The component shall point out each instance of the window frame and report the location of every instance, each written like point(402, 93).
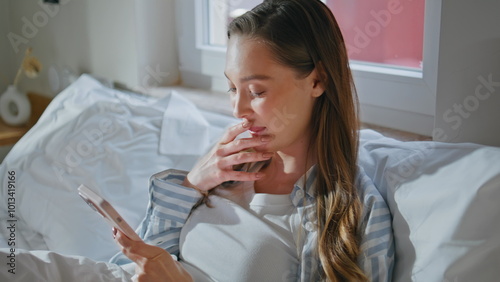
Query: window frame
point(399, 98)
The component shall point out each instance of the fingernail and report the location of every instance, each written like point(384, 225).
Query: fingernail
point(265, 138)
point(245, 124)
point(114, 232)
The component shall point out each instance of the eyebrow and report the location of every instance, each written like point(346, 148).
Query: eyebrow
point(252, 77)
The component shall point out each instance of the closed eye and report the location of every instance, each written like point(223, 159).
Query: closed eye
point(232, 90)
point(257, 94)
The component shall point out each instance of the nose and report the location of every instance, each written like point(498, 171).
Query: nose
point(241, 105)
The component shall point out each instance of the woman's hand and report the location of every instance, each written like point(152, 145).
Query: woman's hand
point(217, 166)
point(153, 263)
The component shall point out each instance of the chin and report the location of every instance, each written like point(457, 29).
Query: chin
point(264, 148)
point(261, 148)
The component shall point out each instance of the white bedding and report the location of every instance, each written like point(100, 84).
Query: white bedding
point(46, 266)
point(108, 140)
point(443, 197)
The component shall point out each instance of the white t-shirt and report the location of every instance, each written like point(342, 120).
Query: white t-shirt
point(256, 241)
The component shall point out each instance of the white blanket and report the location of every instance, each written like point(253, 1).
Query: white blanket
point(109, 140)
point(46, 266)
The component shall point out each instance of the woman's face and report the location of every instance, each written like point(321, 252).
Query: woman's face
point(270, 95)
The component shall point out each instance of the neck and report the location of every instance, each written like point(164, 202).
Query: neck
point(291, 164)
point(285, 168)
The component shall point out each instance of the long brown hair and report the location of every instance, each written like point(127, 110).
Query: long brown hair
point(304, 35)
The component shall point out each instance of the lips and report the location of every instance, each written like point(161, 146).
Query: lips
point(256, 130)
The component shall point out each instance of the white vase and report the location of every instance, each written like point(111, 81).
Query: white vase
point(15, 107)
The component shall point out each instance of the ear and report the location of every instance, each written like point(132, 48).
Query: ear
point(318, 77)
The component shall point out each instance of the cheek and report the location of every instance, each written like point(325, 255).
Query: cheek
point(291, 125)
point(261, 108)
point(232, 101)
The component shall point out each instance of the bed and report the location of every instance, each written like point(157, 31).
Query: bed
point(444, 198)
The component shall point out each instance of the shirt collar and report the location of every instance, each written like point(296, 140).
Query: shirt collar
point(306, 184)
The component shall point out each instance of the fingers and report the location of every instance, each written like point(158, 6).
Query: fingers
point(137, 251)
point(242, 176)
point(244, 157)
point(242, 144)
point(234, 131)
point(153, 263)
point(154, 271)
point(217, 166)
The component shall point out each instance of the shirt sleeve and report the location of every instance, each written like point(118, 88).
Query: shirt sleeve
point(169, 206)
point(377, 243)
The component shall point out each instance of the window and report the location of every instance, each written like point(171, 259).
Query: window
point(393, 46)
point(380, 31)
point(376, 31)
point(220, 13)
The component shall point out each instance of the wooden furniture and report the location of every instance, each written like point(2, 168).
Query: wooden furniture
point(9, 135)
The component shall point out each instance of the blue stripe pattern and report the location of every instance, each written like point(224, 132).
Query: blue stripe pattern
point(170, 205)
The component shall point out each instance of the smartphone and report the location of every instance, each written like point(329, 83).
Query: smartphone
point(106, 210)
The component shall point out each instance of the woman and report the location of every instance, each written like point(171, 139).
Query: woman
point(290, 83)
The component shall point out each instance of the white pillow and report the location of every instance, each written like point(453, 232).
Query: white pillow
point(104, 138)
point(444, 199)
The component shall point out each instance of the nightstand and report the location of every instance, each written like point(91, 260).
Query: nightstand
point(9, 135)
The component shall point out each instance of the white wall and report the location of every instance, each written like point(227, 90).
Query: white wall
point(5, 53)
point(106, 38)
point(156, 40)
point(112, 39)
point(467, 105)
point(190, 58)
point(84, 36)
